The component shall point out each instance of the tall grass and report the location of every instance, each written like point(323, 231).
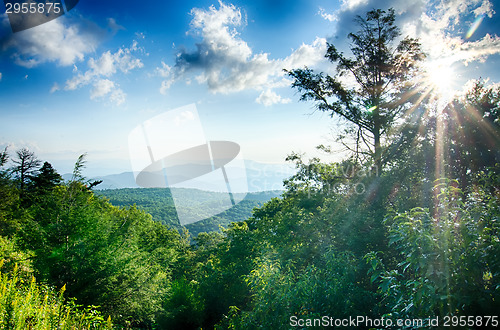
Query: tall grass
point(26, 304)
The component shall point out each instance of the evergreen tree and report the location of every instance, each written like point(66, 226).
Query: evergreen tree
point(382, 74)
point(47, 177)
point(25, 166)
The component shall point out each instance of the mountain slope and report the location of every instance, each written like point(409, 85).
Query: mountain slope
point(159, 203)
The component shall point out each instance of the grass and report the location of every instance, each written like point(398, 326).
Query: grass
point(26, 304)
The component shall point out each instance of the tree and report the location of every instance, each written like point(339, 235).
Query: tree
point(8, 197)
point(78, 175)
point(382, 76)
point(448, 259)
point(47, 178)
point(473, 139)
point(26, 164)
point(37, 191)
point(4, 157)
point(4, 174)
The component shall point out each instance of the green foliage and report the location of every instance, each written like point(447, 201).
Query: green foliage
point(184, 306)
point(476, 116)
point(12, 257)
point(9, 204)
point(213, 274)
point(47, 178)
point(29, 305)
point(281, 292)
point(446, 263)
point(116, 258)
point(4, 157)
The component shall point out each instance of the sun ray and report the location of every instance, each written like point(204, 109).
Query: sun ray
point(440, 78)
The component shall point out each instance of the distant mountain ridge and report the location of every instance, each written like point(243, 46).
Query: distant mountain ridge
point(260, 177)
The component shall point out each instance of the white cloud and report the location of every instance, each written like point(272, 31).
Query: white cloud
point(101, 88)
point(165, 85)
point(104, 87)
point(184, 117)
point(329, 17)
point(352, 4)
point(268, 98)
point(226, 63)
point(306, 55)
point(114, 26)
point(486, 8)
point(55, 41)
point(440, 36)
point(102, 68)
point(441, 26)
point(117, 96)
point(54, 88)
point(164, 71)
point(13, 146)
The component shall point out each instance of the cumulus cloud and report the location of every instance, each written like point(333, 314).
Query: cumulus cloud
point(442, 35)
point(441, 26)
point(226, 63)
point(478, 50)
point(268, 98)
point(164, 71)
point(54, 88)
point(332, 17)
point(105, 87)
point(101, 69)
point(58, 41)
point(101, 88)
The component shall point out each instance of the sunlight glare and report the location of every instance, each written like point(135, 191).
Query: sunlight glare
point(441, 77)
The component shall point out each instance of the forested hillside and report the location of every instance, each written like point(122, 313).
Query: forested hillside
point(402, 233)
point(159, 203)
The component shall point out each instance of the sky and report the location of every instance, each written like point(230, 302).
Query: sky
point(81, 83)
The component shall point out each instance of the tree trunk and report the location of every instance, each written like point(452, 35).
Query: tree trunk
point(378, 153)
point(377, 157)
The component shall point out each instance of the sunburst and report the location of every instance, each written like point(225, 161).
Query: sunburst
point(441, 78)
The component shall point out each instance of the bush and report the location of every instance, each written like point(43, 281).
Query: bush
point(29, 305)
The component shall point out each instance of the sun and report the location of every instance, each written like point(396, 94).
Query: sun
point(441, 78)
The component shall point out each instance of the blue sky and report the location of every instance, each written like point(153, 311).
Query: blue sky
point(83, 81)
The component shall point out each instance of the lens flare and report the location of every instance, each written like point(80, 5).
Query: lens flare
point(441, 79)
point(474, 27)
